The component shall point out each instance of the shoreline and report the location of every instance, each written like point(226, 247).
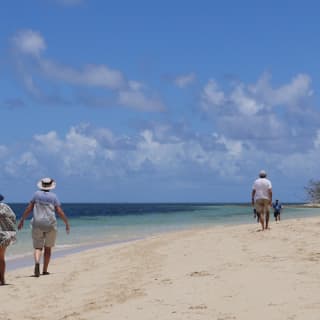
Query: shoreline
point(26, 260)
point(88, 230)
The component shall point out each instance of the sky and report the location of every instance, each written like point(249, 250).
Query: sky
point(159, 101)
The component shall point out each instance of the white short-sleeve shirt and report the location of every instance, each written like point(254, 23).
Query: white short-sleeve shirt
point(262, 187)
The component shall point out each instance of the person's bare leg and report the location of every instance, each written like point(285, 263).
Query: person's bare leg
point(267, 218)
point(46, 259)
point(2, 265)
point(37, 257)
point(262, 220)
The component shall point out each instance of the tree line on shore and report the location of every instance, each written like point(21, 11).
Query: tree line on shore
point(313, 191)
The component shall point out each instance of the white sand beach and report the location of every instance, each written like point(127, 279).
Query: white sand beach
point(231, 272)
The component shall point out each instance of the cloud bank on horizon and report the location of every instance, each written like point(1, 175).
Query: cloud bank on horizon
point(210, 148)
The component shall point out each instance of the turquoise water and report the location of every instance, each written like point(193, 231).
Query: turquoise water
point(93, 224)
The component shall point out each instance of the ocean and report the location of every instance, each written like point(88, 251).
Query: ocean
point(94, 224)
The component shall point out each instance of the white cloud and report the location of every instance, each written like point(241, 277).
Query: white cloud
point(29, 42)
point(286, 95)
point(183, 81)
point(129, 93)
point(291, 93)
point(50, 141)
point(75, 143)
point(260, 113)
point(22, 165)
point(28, 159)
point(90, 75)
point(83, 151)
point(246, 105)
point(212, 95)
point(316, 141)
point(234, 147)
point(301, 166)
point(250, 99)
point(138, 100)
point(31, 86)
point(76, 153)
point(135, 85)
point(80, 144)
point(105, 135)
point(100, 155)
point(3, 151)
point(160, 154)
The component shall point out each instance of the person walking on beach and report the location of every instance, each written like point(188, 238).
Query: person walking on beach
point(7, 235)
point(261, 198)
point(44, 205)
point(277, 207)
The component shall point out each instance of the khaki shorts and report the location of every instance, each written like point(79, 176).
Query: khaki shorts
point(43, 239)
point(262, 206)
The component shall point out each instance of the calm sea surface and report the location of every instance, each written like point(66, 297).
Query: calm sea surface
point(104, 223)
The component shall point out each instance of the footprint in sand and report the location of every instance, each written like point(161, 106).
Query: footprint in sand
point(198, 307)
point(226, 317)
point(199, 274)
point(314, 257)
point(166, 281)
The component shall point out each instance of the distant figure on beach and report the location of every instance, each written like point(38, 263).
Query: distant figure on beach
point(261, 198)
point(7, 235)
point(277, 207)
point(44, 205)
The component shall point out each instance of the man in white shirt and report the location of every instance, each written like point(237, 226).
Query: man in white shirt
point(261, 198)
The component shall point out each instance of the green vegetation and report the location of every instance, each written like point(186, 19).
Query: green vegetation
point(313, 191)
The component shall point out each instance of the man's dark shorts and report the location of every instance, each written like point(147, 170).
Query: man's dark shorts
point(276, 214)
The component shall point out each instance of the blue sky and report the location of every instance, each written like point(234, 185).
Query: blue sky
point(128, 101)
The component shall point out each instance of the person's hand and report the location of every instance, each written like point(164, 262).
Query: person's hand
point(67, 228)
point(20, 225)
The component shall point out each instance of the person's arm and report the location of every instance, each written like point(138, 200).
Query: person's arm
point(25, 214)
point(253, 193)
point(270, 196)
point(63, 217)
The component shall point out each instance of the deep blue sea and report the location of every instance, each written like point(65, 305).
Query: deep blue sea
point(107, 223)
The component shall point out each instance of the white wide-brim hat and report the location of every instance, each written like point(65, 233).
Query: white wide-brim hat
point(46, 184)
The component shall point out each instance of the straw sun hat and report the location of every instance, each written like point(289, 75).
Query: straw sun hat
point(46, 184)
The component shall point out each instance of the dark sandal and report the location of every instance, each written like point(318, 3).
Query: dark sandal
point(37, 270)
